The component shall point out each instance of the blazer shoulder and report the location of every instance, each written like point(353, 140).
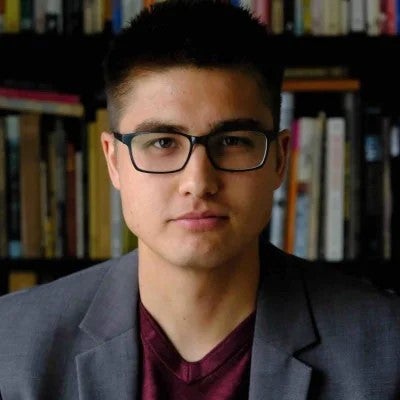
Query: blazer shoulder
point(351, 303)
point(36, 311)
point(340, 298)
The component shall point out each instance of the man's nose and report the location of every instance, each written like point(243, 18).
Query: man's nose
point(199, 178)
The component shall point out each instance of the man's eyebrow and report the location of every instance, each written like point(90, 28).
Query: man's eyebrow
point(157, 126)
point(238, 124)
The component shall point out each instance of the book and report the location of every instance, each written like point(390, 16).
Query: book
point(27, 16)
point(30, 185)
point(353, 153)
point(60, 145)
point(73, 17)
point(357, 16)
point(395, 190)
point(12, 16)
point(306, 135)
point(317, 150)
point(373, 17)
point(12, 128)
point(333, 220)
point(277, 17)
point(46, 102)
point(20, 280)
point(3, 191)
point(53, 18)
point(372, 212)
point(278, 213)
point(290, 223)
point(2, 13)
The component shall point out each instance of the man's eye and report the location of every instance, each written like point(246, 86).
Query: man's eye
point(163, 143)
point(235, 141)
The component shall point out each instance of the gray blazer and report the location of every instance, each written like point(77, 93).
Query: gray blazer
point(318, 335)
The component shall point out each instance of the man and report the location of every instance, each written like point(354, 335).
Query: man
point(205, 309)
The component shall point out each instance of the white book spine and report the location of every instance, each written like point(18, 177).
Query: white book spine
point(334, 189)
point(357, 16)
point(373, 14)
point(130, 9)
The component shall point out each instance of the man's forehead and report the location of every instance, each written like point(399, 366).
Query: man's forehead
point(167, 94)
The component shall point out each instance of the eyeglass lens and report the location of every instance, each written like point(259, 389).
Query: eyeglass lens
point(163, 152)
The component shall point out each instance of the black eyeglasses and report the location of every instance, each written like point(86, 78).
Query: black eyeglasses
point(162, 153)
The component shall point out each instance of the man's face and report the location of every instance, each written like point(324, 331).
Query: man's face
point(199, 217)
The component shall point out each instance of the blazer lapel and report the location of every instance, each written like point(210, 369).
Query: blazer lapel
point(283, 328)
point(109, 370)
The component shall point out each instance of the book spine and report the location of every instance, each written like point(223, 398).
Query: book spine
point(288, 16)
point(373, 188)
point(303, 203)
point(60, 187)
point(315, 206)
point(12, 16)
point(53, 17)
point(3, 191)
point(357, 16)
point(70, 201)
point(30, 185)
point(73, 17)
point(334, 189)
point(27, 17)
point(394, 177)
point(13, 198)
point(352, 192)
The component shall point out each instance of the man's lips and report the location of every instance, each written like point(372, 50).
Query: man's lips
point(200, 221)
point(201, 215)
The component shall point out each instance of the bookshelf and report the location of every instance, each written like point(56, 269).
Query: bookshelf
point(71, 66)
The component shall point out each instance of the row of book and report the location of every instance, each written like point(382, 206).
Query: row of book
point(56, 199)
point(328, 17)
point(68, 16)
point(299, 17)
point(340, 199)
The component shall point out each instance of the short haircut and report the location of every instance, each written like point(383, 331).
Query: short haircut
point(200, 33)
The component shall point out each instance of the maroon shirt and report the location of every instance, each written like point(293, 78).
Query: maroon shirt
point(222, 374)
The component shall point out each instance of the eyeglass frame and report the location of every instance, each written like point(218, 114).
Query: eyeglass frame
point(126, 138)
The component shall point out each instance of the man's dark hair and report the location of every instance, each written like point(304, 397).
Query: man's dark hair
point(201, 33)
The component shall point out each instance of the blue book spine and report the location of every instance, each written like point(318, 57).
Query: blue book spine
point(116, 16)
point(236, 3)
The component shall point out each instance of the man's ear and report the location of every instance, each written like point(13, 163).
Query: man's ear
point(109, 146)
point(282, 155)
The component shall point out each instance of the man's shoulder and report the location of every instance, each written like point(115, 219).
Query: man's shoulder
point(351, 305)
point(56, 290)
point(336, 294)
point(60, 303)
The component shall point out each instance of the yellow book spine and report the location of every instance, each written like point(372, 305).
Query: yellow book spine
point(12, 16)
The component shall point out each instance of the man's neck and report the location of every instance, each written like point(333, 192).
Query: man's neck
point(198, 309)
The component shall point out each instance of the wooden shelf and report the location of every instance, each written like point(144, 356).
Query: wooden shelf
point(321, 85)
